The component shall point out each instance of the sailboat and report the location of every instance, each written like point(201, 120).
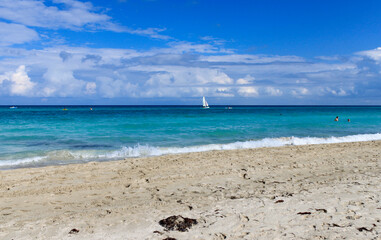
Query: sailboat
point(204, 103)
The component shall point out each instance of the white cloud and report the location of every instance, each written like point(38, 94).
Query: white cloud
point(11, 33)
point(300, 92)
point(20, 83)
point(246, 80)
point(253, 59)
point(302, 80)
point(183, 47)
point(338, 92)
point(108, 87)
point(224, 92)
point(151, 32)
point(213, 40)
point(248, 91)
point(328, 58)
point(179, 75)
point(170, 72)
point(91, 88)
point(75, 14)
point(65, 14)
point(374, 54)
point(48, 91)
point(60, 81)
point(278, 70)
point(273, 91)
point(219, 77)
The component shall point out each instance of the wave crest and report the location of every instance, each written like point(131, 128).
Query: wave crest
point(76, 156)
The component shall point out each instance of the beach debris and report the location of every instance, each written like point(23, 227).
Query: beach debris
point(361, 229)
point(334, 225)
point(219, 236)
point(277, 182)
point(177, 223)
point(245, 176)
point(158, 232)
point(244, 218)
point(279, 201)
point(190, 207)
point(287, 194)
point(169, 238)
point(74, 231)
point(321, 210)
point(304, 213)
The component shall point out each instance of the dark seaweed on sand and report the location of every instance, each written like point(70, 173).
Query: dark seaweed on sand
point(177, 223)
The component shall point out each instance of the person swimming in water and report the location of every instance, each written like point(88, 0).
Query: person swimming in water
point(349, 120)
point(337, 119)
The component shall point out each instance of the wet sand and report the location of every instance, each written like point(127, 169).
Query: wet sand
point(329, 191)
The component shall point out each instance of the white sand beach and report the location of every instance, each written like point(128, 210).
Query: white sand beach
point(330, 191)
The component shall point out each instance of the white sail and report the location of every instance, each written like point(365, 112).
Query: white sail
point(204, 103)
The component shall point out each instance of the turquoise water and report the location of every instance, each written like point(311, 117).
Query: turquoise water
point(38, 136)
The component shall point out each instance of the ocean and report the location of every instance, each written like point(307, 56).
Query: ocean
point(34, 136)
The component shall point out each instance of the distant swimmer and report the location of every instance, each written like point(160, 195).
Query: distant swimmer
point(349, 120)
point(91, 109)
point(337, 119)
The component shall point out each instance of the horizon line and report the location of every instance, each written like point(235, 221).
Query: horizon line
point(189, 105)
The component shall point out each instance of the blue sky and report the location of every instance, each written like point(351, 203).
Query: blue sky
point(175, 52)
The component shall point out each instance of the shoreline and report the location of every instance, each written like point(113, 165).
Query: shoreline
point(300, 191)
point(142, 151)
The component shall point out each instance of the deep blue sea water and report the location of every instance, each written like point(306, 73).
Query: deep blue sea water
point(47, 135)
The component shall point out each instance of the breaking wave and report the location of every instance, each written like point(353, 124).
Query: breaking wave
point(79, 156)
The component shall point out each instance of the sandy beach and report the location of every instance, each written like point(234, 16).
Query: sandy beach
point(330, 191)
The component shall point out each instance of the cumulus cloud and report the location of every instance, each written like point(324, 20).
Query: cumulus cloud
point(180, 75)
point(109, 87)
point(248, 91)
point(178, 69)
point(337, 92)
point(224, 92)
point(273, 91)
point(300, 92)
point(91, 88)
point(245, 80)
point(170, 72)
point(19, 82)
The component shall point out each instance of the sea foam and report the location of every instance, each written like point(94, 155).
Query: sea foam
point(77, 156)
